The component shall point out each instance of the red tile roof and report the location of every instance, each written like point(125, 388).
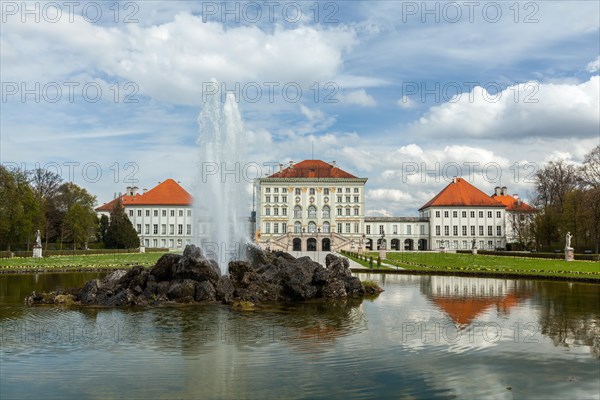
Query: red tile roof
point(513, 204)
point(168, 192)
point(464, 310)
point(312, 169)
point(460, 193)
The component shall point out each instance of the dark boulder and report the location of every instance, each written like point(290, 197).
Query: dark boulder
point(164, 269)
point(225, 289)
point(205, 291)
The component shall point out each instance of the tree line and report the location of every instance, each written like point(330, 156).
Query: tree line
point(63, 212)
point(568, 200)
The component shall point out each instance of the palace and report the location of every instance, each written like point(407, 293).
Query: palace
point(316, 206)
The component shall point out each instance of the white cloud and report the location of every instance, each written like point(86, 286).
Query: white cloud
point(389, 195)
point(359, 98)
point(593, 66)
point(405, 102)
point(379, 213)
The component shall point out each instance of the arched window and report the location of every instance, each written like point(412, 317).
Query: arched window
point(297, 227)
point(312, 227)
point(326, 227)
point(326, 212)
point(312, 212)
point(297, 212)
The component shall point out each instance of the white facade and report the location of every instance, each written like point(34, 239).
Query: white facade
point(400, 233)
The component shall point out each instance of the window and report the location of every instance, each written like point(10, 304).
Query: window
point(455, 230)
point(472, 214)
point(275, 227)
point(139, 213)
point(498, 214)
point(454, 214)
point(311, 191)
point(326, 227)
point(356, 199)
point(347, 199)
point(437, 214)
point(490, 233)
point(181, 213)
point(267, 211)
point(437, 230)
point(409, 229)
point(326, 211)
point(171, 243)
point(297, 212)
point(283, 227)
point(312, 212)
point(297, 227)
point(464, 230)
point(480, 214)
point(472, 230)
point(395, 229)
point(155, 229)
point(339, 190)
point(276, 190)
point(312, 227)
point(147, 213)
point(268, 190)
point(348, 228)
point(465, 244)
point(180, 229)
point(164, 213)
point(480, 230)
point(284, 190)
point(498, 230)
point(347, 211)
point(284, 199)
point(381, 229)
point(446, 230)
point(156, 213)
point(154, 242)
point(139, 228)
point(188, 229)
point(356, 211)
point(339, 211)
point(490, 244)
point(356, 230)
point(339, 199)
point(347, 190)
point(267, 227)
point(131, 213)
point(297, 192)
point(421, 229)
point(446, 214)
point(326, 191)
point(489, 214)
point(464, 214)
point(356, 190)
point(172, 213)
point(339, 228)
point(163, 243)
point(276, 199)
point(284, 211)
point(368, 229)
point(163, 229)
point(189, 213)
point(171, 229)
point(147, 229)
point(276, 211)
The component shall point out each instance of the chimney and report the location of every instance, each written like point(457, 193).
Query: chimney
point(134, 191)
point(280, 167)
point(333, 163)
point(504, 191)
point(454, 180)
point(497, 190)
point(115, 195)
point(144, 190)
point(291, 164)
point(127, 191)
point(516, 196)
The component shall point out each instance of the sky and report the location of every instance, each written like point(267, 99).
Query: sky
point(406, 94)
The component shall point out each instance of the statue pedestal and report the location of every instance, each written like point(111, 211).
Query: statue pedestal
point(37, 251)
point(142, 249)
point(569, 254)
point(382, 254)
point(474, 251)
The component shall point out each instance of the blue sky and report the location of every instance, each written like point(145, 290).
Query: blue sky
point(501, 87)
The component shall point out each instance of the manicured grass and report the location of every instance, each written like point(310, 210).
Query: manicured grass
point(96, 261)
point(493, 265)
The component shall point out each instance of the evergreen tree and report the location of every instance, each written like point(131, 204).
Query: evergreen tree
point(103, 223)
point(120, 233)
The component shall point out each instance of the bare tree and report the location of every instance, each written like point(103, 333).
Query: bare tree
point(553, 182)
point(590, 171)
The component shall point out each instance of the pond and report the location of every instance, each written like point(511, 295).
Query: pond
point(424, 337)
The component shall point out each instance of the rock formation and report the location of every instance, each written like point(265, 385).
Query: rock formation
point(191, 277)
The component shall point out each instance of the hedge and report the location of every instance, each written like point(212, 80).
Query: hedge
point(555, 256)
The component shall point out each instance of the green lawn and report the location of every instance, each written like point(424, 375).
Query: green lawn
point(428, 261)
point(95, 261)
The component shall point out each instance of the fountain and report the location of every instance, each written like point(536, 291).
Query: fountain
point(221, 221)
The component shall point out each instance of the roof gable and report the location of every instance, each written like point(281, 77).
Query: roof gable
point(168, 192)
point(460, 193)
point(313, 169)
point(513, 204)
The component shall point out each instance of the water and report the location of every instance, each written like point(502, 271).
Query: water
point(424, 337)
point(223, 230)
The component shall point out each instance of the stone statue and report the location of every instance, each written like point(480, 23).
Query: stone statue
point(38, 239)
point(473, 244)
point(568, 238)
